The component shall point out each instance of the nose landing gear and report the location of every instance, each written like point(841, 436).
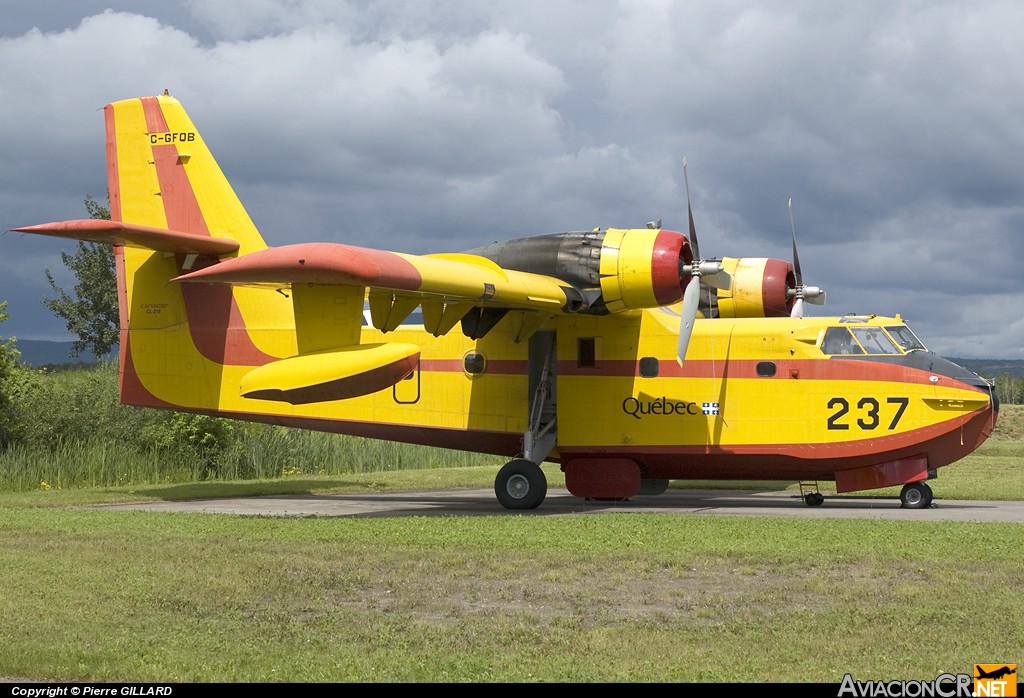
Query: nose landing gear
point(811, 496)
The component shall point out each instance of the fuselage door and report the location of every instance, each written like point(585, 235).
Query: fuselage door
point(407, 390)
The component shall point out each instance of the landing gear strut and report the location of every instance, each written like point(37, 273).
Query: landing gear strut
point(916, 495)
point(521, 483)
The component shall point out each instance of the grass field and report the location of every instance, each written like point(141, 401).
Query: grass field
point(94, 595)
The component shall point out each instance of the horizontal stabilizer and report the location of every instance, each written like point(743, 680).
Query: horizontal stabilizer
point(117, 233)
point(336, 374)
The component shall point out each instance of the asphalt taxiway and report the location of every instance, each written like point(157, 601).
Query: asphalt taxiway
point(481, 502)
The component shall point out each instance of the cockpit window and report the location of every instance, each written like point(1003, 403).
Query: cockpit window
point(874, 340)
point(906, 339)
point(838, 340)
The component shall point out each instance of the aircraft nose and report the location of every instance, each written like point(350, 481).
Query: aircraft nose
point(984, 385)
point(947, 368)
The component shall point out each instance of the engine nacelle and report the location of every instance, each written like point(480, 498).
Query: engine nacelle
point(641, 268)
point(759, 288)
point(621, 269)
point(614, 269)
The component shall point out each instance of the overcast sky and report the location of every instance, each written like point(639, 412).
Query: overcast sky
point(897, 128)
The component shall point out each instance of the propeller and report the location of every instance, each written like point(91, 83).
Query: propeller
point(811, 294)
point(699, 268)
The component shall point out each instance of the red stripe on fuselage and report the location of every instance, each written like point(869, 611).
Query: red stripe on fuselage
point(132, 391)
point(786, 369)
point(500, 367)
point(804, 369)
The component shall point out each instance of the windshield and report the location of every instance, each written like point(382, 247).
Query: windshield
point(869, 340)
point(905, 338)
point(838, 340)
point(874, 340)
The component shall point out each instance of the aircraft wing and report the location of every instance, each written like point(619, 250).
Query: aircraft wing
point(456, 276)
point(330, 284)
point(448, 286)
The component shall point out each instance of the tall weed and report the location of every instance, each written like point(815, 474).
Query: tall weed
point(73, 432)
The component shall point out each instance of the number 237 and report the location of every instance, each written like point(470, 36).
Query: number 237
point(867, 412)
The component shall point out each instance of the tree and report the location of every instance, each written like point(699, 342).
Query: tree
point(1009, 388)
point(91, 313)
point(8, 364)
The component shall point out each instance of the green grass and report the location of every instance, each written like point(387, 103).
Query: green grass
point(111, 595)
point(262, 453)
point(95, 595)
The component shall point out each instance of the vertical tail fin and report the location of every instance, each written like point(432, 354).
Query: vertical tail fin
point(161, 174)
point(172, 211)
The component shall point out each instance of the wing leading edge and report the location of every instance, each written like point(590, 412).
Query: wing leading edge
point(459, 277)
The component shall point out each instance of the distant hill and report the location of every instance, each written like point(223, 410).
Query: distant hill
point(990, 368)
point(37, 352)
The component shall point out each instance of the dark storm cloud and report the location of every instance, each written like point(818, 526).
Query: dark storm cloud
point(425, 126)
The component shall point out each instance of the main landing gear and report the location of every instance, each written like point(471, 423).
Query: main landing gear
point(520, 484)
point(916, 495)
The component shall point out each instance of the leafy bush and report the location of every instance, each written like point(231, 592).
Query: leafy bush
point(200, 436)
point(80, 404)
point(10, 375)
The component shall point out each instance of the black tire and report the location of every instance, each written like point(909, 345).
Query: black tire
point(520, 485)
point(916, 495)
point(651, 487)
point(814, 499)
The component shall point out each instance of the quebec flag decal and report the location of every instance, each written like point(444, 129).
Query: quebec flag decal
point(710, 408)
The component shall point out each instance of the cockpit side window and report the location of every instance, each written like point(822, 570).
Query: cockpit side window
point(874, 340)
point(906, 339)
point(838, 340)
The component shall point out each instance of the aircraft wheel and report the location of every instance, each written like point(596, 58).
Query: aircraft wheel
point(653, 487)
point(520, 485)
point(814, 499)
point(916, 495)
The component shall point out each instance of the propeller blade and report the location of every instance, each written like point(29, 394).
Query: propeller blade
point(689, 212)
point(796, 257)
point(687, 316)
point(811, 294)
